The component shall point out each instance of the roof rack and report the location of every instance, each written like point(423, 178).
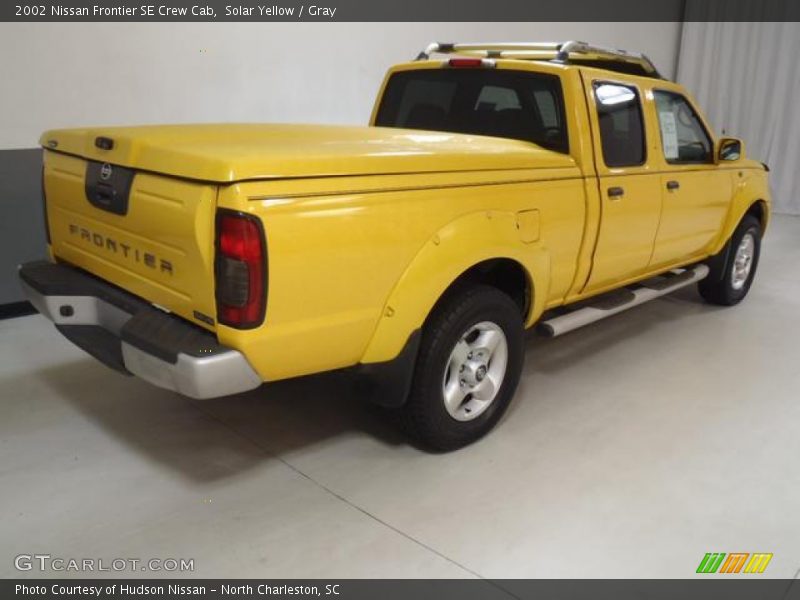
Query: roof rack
point(553, 51)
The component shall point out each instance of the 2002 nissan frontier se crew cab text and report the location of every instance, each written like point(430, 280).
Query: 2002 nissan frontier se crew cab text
point(498, 187)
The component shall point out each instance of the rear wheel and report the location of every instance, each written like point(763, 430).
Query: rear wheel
point(467, 370)
point(729, 281)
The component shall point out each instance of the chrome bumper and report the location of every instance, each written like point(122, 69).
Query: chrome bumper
point(187, 360)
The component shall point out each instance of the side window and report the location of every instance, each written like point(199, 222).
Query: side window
point(683, 137)
point(619, 113)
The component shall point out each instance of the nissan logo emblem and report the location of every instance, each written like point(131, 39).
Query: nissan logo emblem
point(105, 172)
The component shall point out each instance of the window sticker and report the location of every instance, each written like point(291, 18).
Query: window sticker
point(669, 135)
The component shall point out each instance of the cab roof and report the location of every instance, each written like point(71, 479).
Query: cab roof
point(567, 53)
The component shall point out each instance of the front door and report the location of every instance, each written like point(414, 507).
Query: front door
point(630, 188)
point(696, 192)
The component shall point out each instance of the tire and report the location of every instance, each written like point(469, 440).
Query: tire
point(480, 328)
point(730, 278)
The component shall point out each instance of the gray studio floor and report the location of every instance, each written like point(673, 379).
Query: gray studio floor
point(634, 446)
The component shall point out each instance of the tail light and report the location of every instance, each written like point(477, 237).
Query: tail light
point(241, 270)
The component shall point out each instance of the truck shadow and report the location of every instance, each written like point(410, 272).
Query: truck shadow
point(212, 440)
point(551, 356)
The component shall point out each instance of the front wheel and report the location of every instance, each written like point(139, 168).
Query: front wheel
point(729, 281)
point(467, 370)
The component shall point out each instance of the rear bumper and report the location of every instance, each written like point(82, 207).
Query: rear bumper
point(129, 335)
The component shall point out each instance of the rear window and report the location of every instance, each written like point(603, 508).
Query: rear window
point(508, 104)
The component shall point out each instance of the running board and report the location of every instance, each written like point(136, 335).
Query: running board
point(620, 300)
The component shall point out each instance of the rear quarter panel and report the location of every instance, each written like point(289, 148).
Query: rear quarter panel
point(356, 264)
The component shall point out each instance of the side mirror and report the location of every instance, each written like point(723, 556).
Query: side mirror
point(729, 149)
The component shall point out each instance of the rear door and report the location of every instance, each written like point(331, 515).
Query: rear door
point(150, 234)
point(629, 185)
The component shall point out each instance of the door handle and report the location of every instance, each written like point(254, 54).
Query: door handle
point(615, 192)
point(673, 185)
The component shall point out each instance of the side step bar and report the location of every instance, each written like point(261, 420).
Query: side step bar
point(603, 307)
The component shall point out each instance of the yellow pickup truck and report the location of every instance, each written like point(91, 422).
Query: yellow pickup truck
point(496, 188)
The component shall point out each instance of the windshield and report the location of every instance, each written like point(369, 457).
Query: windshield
point(510, 104)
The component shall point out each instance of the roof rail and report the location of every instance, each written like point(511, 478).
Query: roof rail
point(553, 51)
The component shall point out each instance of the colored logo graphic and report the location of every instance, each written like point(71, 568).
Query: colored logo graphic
point(736, 562)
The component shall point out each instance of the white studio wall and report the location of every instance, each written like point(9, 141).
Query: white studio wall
point(747, 78)
point(135, 73)
point(81, 74)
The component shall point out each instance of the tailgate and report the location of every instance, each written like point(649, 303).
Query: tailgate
point(150, 234)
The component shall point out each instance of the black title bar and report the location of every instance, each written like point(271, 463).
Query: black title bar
point(400, 10)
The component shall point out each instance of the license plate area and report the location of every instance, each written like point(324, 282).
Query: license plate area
point(108, 186)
